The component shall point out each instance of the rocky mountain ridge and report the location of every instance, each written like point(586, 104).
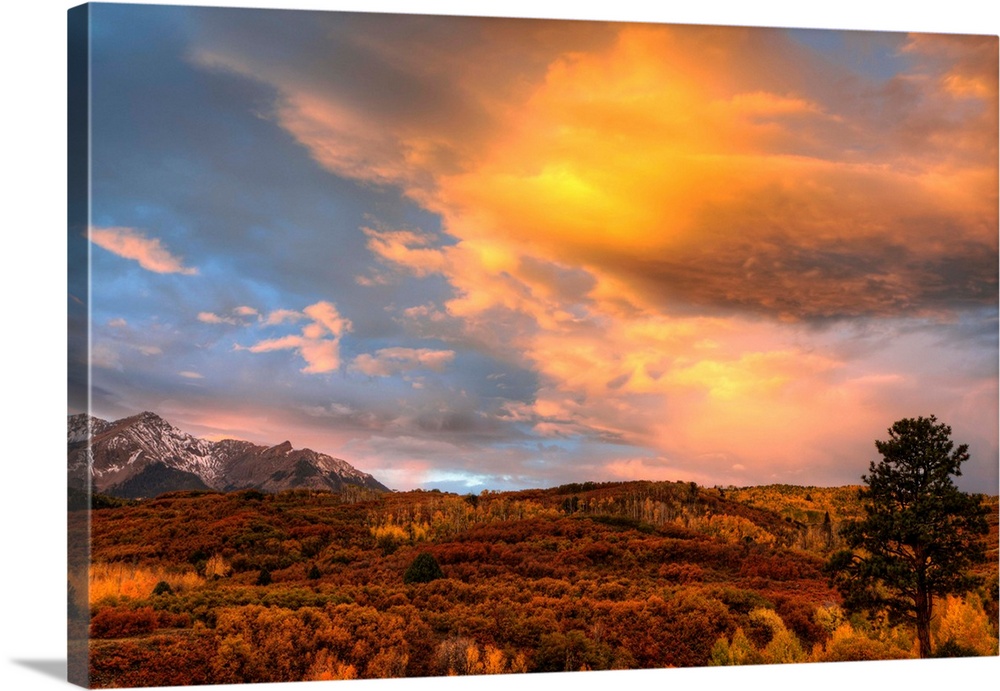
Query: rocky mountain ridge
point(144, 455)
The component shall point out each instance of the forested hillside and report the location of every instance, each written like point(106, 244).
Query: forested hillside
point(201, 587)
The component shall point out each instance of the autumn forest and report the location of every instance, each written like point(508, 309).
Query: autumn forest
point(580, 292)
point(210, 587)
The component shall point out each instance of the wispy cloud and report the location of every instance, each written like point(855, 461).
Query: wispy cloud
point(133, 244)
point(318, 343)
point(414, 250)
point(283, 315)
point(212, 318)
point(389, 361)
point(242, 315)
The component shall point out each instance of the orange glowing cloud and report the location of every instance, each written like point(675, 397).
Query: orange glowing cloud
point(406, 248)
point(698, 189)
point(697, 166)
point(653, 221)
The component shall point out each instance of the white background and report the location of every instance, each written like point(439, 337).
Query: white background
point(33, 333)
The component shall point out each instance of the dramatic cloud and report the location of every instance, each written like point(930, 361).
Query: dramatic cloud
point(131, 243)
point(537, 252)
point(671, 172)
point(727, 168)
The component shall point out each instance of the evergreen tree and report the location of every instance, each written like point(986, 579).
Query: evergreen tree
point(424, 569)
point(163, 588)
point(920, 534)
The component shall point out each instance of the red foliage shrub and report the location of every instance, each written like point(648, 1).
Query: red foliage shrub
point(681, 573)
point(778, 567)
point(169, 620)
point(799, 616)
point(119, 622)
point(154, 661)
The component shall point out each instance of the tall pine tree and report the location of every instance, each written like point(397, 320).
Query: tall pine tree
point(920, 535)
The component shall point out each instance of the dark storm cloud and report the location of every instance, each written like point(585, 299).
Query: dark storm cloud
point(838, 279)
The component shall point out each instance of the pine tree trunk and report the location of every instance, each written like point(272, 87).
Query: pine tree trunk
point(923, 607)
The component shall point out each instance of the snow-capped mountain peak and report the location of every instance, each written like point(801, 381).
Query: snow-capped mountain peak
point(144, 455)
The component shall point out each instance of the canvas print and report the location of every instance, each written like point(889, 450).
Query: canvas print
point(414, 346)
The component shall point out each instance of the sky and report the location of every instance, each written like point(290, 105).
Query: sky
point(504, 253)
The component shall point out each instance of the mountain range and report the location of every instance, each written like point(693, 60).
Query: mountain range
point(144, 455)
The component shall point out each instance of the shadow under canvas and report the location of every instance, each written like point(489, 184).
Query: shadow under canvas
point(50, 668)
